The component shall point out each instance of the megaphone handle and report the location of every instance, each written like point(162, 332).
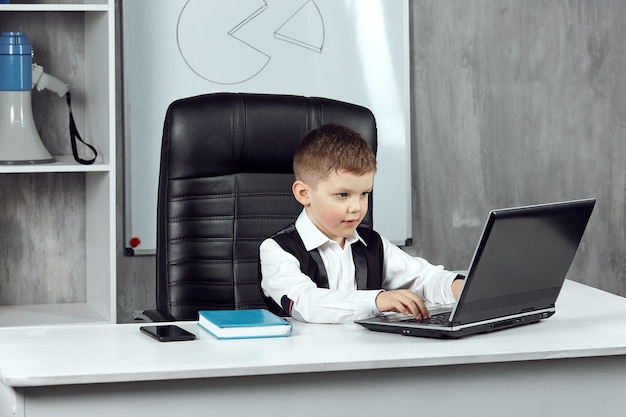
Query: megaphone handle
point(74, 134)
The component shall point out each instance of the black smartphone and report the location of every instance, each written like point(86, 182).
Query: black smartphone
point(167, 333)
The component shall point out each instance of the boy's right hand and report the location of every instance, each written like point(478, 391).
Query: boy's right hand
point(402, 301)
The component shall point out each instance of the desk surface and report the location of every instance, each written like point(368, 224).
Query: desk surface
point(588, 322)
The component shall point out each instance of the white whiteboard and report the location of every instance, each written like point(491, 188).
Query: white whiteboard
point(354, 51)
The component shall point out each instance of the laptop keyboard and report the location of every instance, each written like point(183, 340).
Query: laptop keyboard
point(438, 319)
point(442, 318)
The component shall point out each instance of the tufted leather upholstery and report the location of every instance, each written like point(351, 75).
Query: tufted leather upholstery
point(225, 185)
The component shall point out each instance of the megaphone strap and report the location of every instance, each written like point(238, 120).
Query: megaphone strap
point(74, 135)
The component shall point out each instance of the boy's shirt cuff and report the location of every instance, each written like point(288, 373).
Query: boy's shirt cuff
point(365, 304)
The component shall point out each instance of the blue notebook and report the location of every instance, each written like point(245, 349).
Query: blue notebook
point(241, 324)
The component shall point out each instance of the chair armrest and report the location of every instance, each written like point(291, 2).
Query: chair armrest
point(152, 316)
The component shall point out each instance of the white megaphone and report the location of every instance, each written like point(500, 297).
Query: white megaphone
point(19, 140)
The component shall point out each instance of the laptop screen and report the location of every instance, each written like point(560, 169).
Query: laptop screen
point(522, 260)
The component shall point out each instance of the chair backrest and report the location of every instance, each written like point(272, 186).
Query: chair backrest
point(225, 185)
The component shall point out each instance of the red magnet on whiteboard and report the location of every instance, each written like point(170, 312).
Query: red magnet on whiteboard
point(134, 242)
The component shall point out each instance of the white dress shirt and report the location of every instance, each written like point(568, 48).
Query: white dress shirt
point(342, 301)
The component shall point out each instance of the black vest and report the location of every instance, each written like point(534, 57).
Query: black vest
point(368, 262)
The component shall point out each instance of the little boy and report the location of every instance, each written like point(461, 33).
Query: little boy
point(324, 268)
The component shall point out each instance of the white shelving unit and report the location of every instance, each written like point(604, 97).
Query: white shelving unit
point(98, 305)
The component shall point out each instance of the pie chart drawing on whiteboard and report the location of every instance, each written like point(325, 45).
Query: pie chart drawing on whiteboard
point(230, 42)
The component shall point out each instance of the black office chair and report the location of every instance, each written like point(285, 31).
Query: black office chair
point(224, 186)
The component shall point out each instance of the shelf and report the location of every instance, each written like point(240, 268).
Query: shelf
point(48, 314)
point(60, 217)
point(63, 163)
point(54, 7)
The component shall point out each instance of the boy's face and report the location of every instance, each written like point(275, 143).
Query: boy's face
point(338, 204)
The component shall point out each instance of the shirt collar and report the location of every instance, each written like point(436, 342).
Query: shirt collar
point(313, 238)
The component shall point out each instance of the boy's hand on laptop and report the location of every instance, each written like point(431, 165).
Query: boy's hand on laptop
point(402, 301)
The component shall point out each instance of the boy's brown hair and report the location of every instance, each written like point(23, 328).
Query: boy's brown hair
point(332, 148)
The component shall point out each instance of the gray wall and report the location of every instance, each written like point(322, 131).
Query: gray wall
point(519, 102)
point(514, 102)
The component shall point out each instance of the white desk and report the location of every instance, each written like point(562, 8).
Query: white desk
point(571, 364)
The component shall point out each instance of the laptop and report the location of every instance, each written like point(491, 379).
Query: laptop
point(515, 276)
